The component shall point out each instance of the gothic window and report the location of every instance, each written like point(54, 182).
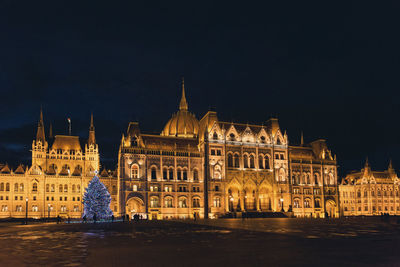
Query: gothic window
point(2, 187)
point(16, 187)
point(171, 174)
point(185, 175)
point(7, 187)
point(282, 175)
point(217, 172)
point(165, 174)
point(215, 136)
point(73, 188)
point(196, 203)
point(317, 203)
point(260, 162)
point(21, 187)
point(66, 188)
point(114, 190)
point(179, 174)
point(154, 203)
point(252, 161)
point(278, 141)
point(267, 166)
point(246, 161)
point(276, 156)
point(316, 180)
point(282, 156)
point(182, 203)
point(34, 187)
point(307, 203)
point(236, 160)
point(331, 179)
point(168, 202)
point(195, 175)
point(47, 188)
point(232, 137)
point(135, 172)
point(230, 160)
point(372, 193)
point(296, 203)
point(60, 188)
point(358, 193)
point(365, 193)
point(217, 202)
point(153, 173)
point(307, 178)
point(78, 188)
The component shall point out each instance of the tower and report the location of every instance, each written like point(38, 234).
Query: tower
point(39, 145)
point(92, 159)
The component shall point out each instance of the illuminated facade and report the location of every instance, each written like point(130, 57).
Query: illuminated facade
point(55, 182)
point(370, 192)
point(197, 167)
point(194, 167)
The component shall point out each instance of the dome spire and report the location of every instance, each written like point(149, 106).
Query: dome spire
point(183, 104)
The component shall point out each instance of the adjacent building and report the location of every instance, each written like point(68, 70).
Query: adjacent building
point(368, 192)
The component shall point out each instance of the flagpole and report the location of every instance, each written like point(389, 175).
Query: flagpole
point(69, 126)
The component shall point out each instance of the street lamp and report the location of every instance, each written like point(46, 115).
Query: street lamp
point(48, 212)
point(26, 210)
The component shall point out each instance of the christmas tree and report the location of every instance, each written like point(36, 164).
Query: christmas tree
point(96, 200)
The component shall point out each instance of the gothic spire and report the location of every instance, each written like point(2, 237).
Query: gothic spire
point(390, 167)
point(183, 104)
point(40, 136)
point(302, 139)
point(51, 131)
point(92, 137)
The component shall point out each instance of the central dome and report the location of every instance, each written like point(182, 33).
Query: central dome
point(183, 123)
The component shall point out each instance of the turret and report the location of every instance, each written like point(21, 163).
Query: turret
point(92, 137)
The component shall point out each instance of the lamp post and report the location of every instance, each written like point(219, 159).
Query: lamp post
point(26, 210)
point(48, 212)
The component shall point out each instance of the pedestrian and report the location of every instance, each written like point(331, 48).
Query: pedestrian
point(94, 218)
point(112, 218)
point(69, 219)
point(84, 219)
point(127, 217)
point(58, 219)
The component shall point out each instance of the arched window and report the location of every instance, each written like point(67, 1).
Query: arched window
point(278, 141)
point(196, 203)
point(60, 188)
point(372, 193)
point(296, 203)
point(307, 178)
point(114, 190)
point(7, 187)
point(297, 178)
point(236, 160)
point(179, 174)
point(16, 187)
point(307, 203)
point(316, 179)
point(317, 203)
point(230, 160)
point(358, 193)
point(397, 193)
point(182, 203)
point(365, 193)
point(47, 188)
point(252, 161)
point(217, 202)
point(260, 162)
point(331, 179)
point(195, 175)
point(215, 136)
point(135, 172)
point(185, 177)
point(165, 173)
point(232, 137)
point(21, 187)
point(2, 187)
point(154, 203)
point(34, 187)
point(73, 188)
point(378, 192)
point(171, 174)
point(66, 188)
point(282, 175)
point(168, 202)
point(245, 161)
point(153, 173)
point(78, 188)
point(267, 166)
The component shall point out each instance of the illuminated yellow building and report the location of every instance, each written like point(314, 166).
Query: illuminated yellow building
point(202, 168)
point(370, 192)
point(55, 182)
point(210, 167)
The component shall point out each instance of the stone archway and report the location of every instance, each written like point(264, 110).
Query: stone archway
point(135, 205)
point(330, 208)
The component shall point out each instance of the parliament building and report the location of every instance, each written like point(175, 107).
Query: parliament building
point(203, 168)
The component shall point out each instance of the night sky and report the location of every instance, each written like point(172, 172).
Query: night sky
point(327, 69)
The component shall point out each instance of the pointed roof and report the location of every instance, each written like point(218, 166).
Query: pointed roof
point(40, 136)
point(76, 172)
point(183, 104)
point(20, 169)
point(5, 169)
point(390, 167)
point(104, 173)
point(92, 136)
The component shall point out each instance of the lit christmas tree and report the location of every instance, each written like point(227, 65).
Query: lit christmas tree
point(96, 200)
